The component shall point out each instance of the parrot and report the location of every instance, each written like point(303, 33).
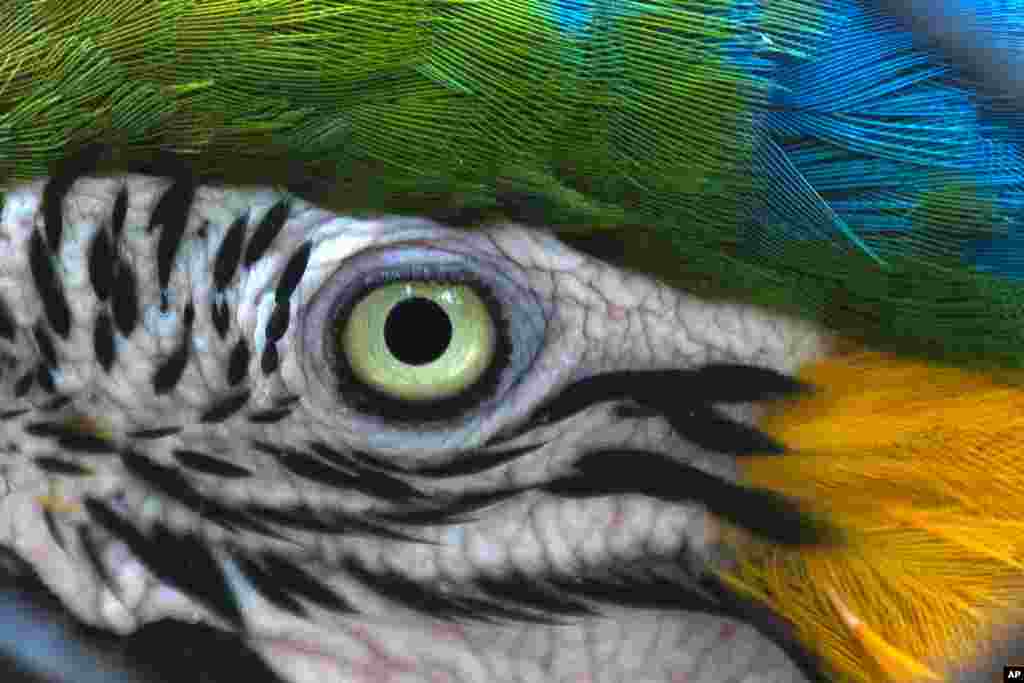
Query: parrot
point(500, 340)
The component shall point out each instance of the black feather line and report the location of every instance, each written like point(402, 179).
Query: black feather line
point(45, 379)
point(269, 361)
point(267, 230)
point(411, 594)
point(87, 443)
point(419, 516)
point(125, 300)
point(70, 438)
point(643, 590)
point(181, 561)
point(158, 433)
point(301, 583)
point(270, 416)
point(267, 586)
point(370, 460)
point(737, 383)
point(55, 404)
point(278, 323)
point(221, 317)
point(450, 512)
point(664, 390)
point(51, 430)
point(53, 528)
point(474, 463)
point(315, 470)
point(168, 560)
point(44, 275)
point(7, 325)
point(522, 590)
point(24, 384)
point(238, 362)
point(103, 515)
point(706, 427)
point(48, 463)
point(229, 253)
point(119, 213)
point(482, 609)
point(335, 457)
point(765, 513)
point(264, 447)
point(103, 341)
point(17, 412)
point(207, 464)
point(95, 558)
point(683, 397)
point(171, 212)
point(225, 408)
point(378, 484)
point(45, 344)
point(170, 372)
point(171, 483)
point(186, 562)
point(633, 411)
point(101, 265)
point(293, 272)
point(66, 172)
point(609, 386)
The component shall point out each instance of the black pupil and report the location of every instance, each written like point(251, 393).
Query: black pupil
point(417, 331)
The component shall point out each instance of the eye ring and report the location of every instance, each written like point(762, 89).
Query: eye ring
point(368, 399)
point(518, 316)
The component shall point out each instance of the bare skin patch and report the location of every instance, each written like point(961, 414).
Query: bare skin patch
point(349, 538)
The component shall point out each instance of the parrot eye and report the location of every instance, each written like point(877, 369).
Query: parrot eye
point(418, 334)
point(417, 340)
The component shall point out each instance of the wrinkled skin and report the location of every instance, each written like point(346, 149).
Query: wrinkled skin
point(591, 318)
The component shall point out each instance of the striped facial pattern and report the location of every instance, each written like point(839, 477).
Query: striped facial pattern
point(190, 431)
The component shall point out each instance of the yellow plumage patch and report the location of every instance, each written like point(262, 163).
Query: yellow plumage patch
point(920, 465)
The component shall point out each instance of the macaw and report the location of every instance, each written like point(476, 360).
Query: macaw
point(776, 242)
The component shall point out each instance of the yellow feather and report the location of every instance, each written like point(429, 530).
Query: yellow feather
point(920, 465)
point(896, 666)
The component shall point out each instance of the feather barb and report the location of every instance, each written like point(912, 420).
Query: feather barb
point(918, 465)
point(898, 666)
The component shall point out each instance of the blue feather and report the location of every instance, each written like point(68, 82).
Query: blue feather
point(573, 16)
point(873, 134)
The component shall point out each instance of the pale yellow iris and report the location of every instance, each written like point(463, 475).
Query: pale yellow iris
point(467, 356)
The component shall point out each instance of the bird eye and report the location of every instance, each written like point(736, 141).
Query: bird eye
point(410, 333)
point(418, 341)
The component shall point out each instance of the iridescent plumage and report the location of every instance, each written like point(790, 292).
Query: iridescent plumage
point(811, 156)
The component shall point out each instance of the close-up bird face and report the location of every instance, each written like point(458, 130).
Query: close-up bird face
point(314, 484)
point(511, 340)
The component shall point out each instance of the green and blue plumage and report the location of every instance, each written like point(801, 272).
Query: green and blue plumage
point(817, 157)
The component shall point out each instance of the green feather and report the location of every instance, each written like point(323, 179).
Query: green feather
point(634, 137)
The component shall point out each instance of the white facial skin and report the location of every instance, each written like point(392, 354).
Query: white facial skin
point(586, 317)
